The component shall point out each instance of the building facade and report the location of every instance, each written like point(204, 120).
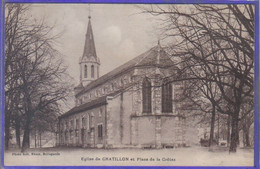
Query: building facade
point(134, 105)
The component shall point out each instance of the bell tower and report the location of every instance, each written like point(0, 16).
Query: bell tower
point(89, 62)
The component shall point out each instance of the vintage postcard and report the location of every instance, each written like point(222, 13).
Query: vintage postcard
point(129, 84)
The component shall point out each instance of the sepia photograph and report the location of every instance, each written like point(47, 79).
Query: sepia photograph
point(129, 84)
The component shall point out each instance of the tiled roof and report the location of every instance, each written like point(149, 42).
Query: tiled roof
point(148, 58)
point(87, 106)
point(92, 104)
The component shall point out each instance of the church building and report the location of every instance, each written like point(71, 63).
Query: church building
point(134, 105)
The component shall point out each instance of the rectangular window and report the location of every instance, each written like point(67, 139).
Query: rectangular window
point(91, 120)
point(71, 136)
point(77, 123)
point(82, 136)
point(100, 131)
point(62, 126)
point(71, 124)
point(83, 122)
point(66, 136)
point(66, 127)
point(88, 122)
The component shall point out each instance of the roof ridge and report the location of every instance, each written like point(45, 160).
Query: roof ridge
point(149, 51)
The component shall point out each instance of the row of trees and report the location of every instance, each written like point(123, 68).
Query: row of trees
point(213, 46)
point(35, 77)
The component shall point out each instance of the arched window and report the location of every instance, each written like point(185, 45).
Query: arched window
point(167, 98)
point(146, 91)
point(88, 123)
point(112, 86)
point(97, 72)
point(122, 81)
point(77, 124)
point(83, 122)
point(92, 71)
point(85, 71)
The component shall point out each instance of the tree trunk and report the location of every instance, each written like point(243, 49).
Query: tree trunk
point(238, 140)
point(17, 131)
point(234, 132)
point(218, 129)
point(40, 140)
point(228, 130)
point(29, 114)
point(246, 137)
point(35, 140)
point(211, 137)
point(7, 129)
point(26, 136)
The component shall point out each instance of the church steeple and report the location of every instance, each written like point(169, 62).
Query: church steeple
point(89, 48)
point(89, 62)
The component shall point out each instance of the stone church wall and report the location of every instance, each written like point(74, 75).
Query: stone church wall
point(124, 124)
point(93, 118)
point(156, 131)
point(119, 111)
point(145, 130)
point(113, 122)
point(127, 111)
point(171, 131)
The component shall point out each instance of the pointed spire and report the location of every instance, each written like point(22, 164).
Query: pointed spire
point(89, 11)
point(89, 48)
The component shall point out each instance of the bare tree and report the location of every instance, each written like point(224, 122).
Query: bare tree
point(35, 68)
point(13, 22)
point(219, 38)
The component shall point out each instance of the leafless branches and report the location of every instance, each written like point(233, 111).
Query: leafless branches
point(35, 76)
point(213, 46)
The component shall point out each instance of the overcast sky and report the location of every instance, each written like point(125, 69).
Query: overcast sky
point(120, 32)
